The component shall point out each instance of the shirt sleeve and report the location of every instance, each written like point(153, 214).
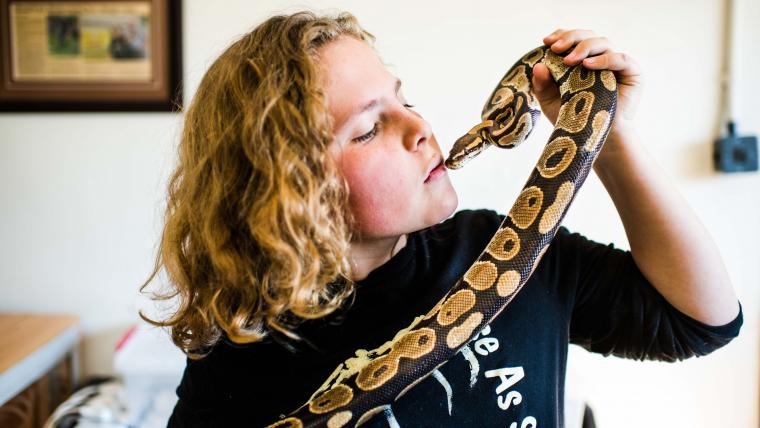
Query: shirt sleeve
point(616, 310)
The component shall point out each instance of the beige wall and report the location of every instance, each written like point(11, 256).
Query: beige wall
point(82, 194)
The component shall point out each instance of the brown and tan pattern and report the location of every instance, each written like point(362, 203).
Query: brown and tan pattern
point(332, 399)
point(371, 381)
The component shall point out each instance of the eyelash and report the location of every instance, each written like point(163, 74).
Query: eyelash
point(374, 130)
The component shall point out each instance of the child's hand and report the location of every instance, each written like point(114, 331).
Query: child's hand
point(597, 54)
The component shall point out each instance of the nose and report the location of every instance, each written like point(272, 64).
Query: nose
point(416, 130)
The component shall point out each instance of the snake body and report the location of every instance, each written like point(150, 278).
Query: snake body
point(369, 382)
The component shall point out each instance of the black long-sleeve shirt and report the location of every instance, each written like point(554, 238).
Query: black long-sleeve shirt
point(511, 375)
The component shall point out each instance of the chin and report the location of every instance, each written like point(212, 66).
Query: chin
point(449, 203)
point(453, 206)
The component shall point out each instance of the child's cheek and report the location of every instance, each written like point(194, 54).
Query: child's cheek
point(380, 196)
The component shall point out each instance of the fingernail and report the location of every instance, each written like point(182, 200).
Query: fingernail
point(589, 60)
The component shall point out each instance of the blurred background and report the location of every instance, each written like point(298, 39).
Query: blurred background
point(82, 194)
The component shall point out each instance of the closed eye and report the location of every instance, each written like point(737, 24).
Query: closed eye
point(374, 130)
point(368, 135)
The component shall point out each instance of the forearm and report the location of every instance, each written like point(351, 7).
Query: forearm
point(669, 244)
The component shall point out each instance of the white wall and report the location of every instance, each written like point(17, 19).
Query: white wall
point(82, 194)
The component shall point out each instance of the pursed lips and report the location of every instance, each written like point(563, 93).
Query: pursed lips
point(433, 166)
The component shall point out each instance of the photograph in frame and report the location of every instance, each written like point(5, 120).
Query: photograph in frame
point(90, 55)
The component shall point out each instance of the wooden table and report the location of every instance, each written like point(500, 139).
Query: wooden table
point(39, 365)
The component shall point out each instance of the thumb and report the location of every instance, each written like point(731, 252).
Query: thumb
point(546, 91)
point(543, 84)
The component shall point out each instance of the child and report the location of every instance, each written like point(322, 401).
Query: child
point(304, 223)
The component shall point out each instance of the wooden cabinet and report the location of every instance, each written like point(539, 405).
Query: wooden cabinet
point(39, 366)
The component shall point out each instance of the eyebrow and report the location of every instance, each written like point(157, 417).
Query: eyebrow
point(368, 105)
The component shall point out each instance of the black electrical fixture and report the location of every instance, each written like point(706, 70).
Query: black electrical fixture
point(735, 154)
point(731, 153)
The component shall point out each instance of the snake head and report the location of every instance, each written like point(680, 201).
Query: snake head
point(469, 145)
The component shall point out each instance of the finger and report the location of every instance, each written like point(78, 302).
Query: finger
point(540, 77)
point(567, 39)
point(588, 47)
point(544, 86)
point(553, 36)
point(624, 64)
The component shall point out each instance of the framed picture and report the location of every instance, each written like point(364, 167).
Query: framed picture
point(93, 55)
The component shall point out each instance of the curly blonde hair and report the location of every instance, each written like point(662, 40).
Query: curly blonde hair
point(257, 228)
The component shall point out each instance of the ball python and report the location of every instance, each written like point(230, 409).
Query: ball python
point(369, 382)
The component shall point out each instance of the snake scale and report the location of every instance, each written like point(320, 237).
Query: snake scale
point(369, 382)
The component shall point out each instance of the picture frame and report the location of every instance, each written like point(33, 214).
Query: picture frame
point(90, 55)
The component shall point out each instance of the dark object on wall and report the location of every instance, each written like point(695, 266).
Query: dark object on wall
point(588, 418)
point(730, 152)
point(735, 154)
point(90, 55)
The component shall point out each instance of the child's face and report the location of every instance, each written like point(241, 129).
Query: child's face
point(386, 168)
